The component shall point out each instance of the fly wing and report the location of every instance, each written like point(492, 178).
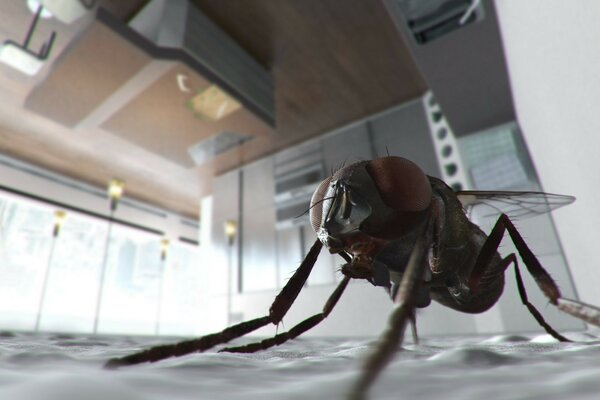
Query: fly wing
point(517, 205)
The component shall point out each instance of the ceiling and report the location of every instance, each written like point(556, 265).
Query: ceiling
point(92, 115)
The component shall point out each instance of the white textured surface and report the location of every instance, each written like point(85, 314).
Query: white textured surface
point(502, 367)
point(553, 59)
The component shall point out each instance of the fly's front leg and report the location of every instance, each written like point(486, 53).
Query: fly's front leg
point(405, 304)
point(279, 308)
point(303, 326)
point(297, 330)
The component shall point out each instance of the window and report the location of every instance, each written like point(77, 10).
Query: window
point(180, 291)
point(25, 239)
point(139, 287)
point(70, 300)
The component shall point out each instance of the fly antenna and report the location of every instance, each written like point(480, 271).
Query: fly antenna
point(316, 203)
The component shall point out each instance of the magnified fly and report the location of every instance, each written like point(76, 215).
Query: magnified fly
point(409, 233)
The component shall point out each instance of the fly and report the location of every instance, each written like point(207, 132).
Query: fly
point(409, 233)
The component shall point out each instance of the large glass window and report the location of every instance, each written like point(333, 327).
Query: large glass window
point(141, 294)
point(180, 291)
point(69, 303)
point(25, 238)
point(131, 287)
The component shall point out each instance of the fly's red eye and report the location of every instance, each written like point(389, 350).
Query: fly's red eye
point(316, 204)
point(402, 185)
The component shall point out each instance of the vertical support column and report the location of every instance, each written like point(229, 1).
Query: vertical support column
point(240, 224)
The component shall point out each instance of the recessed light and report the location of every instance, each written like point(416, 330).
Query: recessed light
point(213, 103)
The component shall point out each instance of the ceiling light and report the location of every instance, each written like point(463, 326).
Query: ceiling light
point(213, 103)
point(19, 58)
point(34, 5)
point(66, 11)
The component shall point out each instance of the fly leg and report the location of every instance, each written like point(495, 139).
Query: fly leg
point(403, 312)
point(542, 278)
point(536, 314)
point(302, 327)
point(297, 330)
point(578, 309)
point(413, 326)
point(279, 308)
point(413, 315)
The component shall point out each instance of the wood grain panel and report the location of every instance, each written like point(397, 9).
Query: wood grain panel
point(96, 66)
point(333, 62)
point(160, 121)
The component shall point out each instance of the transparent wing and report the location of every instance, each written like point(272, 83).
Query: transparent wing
point(517, 205)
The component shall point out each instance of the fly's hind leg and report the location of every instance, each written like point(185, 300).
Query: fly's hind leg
point(542, 278)
point(532, 310)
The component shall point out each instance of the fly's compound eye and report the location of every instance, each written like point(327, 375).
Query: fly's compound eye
point(316, 204)
point(404, 195)
point(346, 206)
point(402, 185)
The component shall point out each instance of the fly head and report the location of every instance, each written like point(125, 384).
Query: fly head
point(366, 204)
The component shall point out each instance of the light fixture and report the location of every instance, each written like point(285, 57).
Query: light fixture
point(230, 230)
point(66, 11)
point(59, 220)
point(470, 11)
point(213, 103)
point(230, 233)
point(20, 57)
point(182, 83)
point(164, 247)
point(116, 187)
point(34, 6)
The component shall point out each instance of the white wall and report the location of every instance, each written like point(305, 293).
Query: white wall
point(553, 55)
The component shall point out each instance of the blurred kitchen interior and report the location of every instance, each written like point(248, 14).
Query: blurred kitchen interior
point(220, 117)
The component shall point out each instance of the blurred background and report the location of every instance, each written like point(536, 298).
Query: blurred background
point(155, 155)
